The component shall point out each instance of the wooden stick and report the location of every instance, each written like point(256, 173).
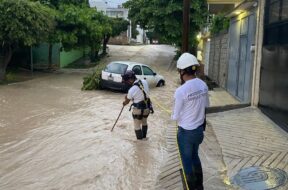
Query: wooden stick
point(117, 118)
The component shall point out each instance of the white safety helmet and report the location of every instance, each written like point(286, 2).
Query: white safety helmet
point(186, 60)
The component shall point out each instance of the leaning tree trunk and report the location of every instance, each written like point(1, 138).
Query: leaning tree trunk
point(5, 61)
point(93, 54)
point(50, 56)
point(105, 42)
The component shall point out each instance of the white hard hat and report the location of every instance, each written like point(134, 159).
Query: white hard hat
point(186, 60)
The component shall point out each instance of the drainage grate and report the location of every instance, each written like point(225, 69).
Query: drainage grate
point(260, 178)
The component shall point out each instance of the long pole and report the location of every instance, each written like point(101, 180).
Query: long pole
point(117, 118)
point(186, 24)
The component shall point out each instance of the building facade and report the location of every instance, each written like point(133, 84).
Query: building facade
point(208, 43)
point(241, 50)
point(271, 95)
point(114, 12)
point(257, 64)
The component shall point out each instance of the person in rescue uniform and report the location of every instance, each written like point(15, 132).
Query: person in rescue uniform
point(139, 94)
point(190, 102)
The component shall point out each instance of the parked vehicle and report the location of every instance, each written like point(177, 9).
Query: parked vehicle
point(112, 79)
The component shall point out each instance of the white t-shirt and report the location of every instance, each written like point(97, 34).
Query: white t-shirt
point(190, 101)
point(135, 93)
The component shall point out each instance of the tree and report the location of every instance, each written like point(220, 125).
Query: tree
point(118, 25)
point(82, 27)
point(54, 36)
point(56, 3)
point(78, 26)
point(219, 23)
point(23, 23)
point(164, 18)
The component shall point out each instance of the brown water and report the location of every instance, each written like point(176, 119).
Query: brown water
point(55, 136)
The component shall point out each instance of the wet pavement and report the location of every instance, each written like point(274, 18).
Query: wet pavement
point(55, 136)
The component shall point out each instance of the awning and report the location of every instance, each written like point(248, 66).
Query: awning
point(244, 6)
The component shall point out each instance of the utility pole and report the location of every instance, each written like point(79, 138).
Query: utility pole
point(186, 24)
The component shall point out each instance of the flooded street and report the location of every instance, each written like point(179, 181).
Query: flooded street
point(55, 136)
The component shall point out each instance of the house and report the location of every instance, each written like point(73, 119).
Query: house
point(215, 7)
point(119, 12)
point(114, 12)
point(250, 61)
point(242, 32)
point(101, 5)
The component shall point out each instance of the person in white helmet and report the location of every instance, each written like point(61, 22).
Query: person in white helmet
point(190, 101)
point(142, 106)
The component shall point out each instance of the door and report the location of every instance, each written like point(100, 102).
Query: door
point(234, 39)
point(149, 75)
point(241, 35)
point(241, 67)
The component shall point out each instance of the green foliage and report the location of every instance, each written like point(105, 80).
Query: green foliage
point(113, 27)
point(93, 81)
point(82, 27)
point(57, 3)
point(119, 25)
point(78, 25)
point(165, 18)
point(24, 23)
point(219, 23)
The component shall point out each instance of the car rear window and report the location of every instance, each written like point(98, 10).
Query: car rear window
point(117, 68)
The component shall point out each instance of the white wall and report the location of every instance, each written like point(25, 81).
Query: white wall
point(141, 37)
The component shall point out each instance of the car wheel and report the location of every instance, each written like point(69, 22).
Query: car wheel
point(161, 83)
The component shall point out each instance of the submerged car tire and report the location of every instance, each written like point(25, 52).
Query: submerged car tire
point(161, 83)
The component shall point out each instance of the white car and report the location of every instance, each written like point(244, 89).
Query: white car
point(112, 79)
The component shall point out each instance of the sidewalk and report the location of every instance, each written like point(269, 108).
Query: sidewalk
point(234, 140)
point(248, 138)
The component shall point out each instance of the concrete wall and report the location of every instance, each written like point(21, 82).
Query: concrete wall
point(60, 59)
point(218, 59)
point(40, 56)
point(258, 54)
point(67, 57)
point(122, 39)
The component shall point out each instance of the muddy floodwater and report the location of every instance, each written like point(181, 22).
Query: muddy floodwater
point(55, 136)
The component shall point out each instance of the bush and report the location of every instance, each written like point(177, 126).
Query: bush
point(219, 23)
point(93, 81)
